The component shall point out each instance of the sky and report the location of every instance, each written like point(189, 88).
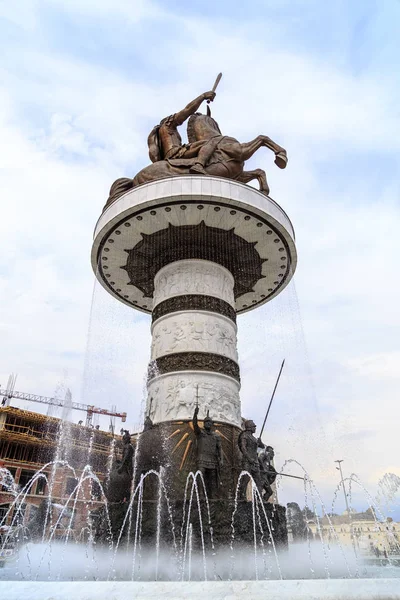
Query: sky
point(81, 85)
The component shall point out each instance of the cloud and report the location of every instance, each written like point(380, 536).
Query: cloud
point(378, 366)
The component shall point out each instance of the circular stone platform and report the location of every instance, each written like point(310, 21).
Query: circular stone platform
point(189, 217)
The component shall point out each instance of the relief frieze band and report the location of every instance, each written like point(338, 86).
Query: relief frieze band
point(194, 302)
point(198, 277)
point(175, 396)
point(194, 361)
point(194, 331)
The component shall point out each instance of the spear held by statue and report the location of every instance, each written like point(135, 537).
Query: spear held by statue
point(272, 397)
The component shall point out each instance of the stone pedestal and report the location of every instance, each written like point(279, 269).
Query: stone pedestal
point(194, 252)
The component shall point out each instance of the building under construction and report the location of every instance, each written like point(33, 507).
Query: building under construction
point(30, 440)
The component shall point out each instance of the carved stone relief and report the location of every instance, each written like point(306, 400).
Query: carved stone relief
point(193, 277)
point(198, 332)
point(174, 397)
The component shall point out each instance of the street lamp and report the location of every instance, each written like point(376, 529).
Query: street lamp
point(339, 468)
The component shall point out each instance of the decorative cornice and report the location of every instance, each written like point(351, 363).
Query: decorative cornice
point(200, 241)
point(194, 302)
point(194, 361)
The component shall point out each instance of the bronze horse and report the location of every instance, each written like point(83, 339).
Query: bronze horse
point(227, 158)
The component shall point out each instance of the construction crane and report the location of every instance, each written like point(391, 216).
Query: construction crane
point(90, 410)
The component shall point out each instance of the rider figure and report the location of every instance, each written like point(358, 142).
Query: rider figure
point(165, 142)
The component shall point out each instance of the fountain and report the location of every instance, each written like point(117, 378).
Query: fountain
point(189, 507)
point(194, 251)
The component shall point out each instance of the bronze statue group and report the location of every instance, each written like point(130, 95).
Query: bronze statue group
point(257, 458)
point(208, 152)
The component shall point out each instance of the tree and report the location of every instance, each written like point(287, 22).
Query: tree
point(308, 514)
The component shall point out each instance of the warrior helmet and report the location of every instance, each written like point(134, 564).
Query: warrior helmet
point(208, 418)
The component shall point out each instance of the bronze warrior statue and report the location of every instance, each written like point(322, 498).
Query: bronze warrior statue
point(207, 153)
point(118, 485)
point(248, 445)
point(267, 471)
point(209, 453)
point(126, 465)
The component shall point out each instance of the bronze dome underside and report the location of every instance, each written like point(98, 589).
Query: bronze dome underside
point(168, 245)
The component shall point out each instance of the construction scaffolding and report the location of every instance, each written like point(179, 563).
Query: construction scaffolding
point(9, 392)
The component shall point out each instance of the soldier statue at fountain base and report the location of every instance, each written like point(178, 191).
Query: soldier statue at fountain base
point(209, 453)
point(267, 471)
point(248, 446)
point(119, 482)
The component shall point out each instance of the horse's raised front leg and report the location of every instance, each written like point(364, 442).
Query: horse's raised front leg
point(249, 148)
point(258, 174)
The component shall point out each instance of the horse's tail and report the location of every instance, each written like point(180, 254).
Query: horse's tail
point(119, 187)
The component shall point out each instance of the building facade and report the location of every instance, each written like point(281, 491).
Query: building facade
point(42, 452)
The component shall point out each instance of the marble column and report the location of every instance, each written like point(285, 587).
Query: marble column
point(194, 344)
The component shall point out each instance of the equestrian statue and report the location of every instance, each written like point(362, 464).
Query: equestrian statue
point(207, 152)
